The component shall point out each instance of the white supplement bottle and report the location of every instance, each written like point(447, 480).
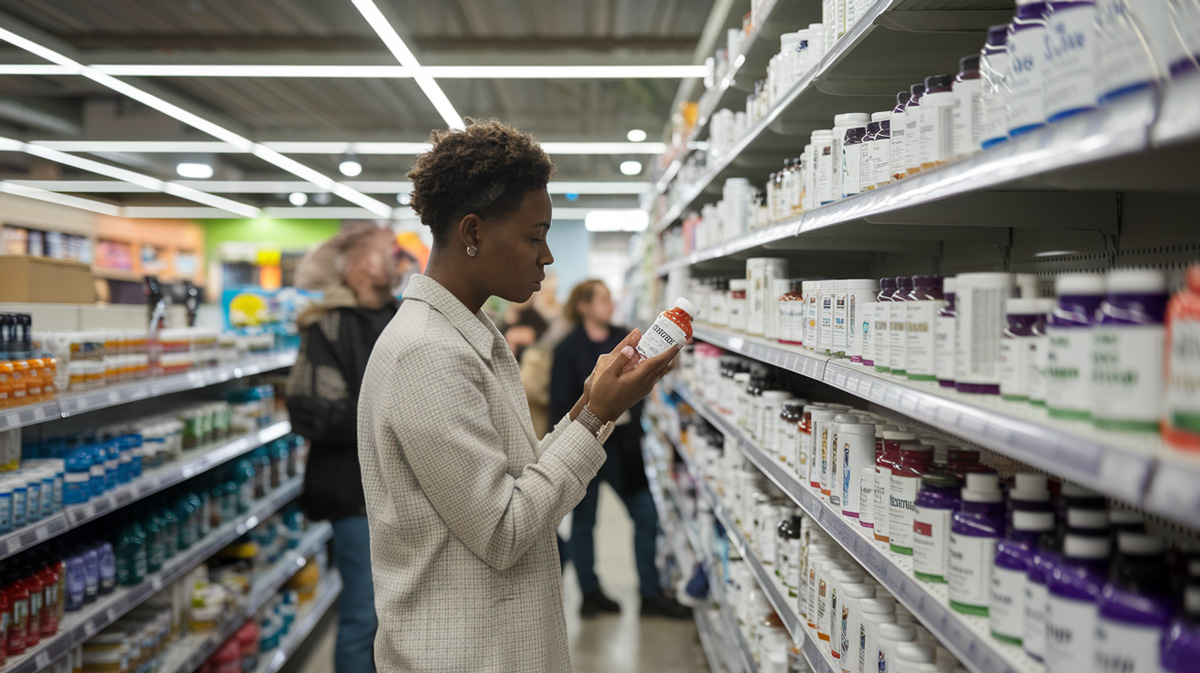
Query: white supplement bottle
point(1026, 48)
point(979, 306)
point(875, 611)
point(859, 293)
point(936, 126)
point(851, 598)
point(968, 107)
point(1069, 331)
point(672, 328)
point(1129, 348)
point(822, 142)
point(1070, 58)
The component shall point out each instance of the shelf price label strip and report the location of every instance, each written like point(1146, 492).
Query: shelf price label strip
point(79, 626)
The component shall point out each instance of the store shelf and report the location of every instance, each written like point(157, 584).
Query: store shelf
point(79, 626)
point(709, 634)
point(194, 462)
point(1136, 468)
point(194, 650)
point(967, 637)
point(327, 593)
point(71, 404)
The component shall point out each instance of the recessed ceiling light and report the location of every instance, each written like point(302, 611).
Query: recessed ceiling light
point(194, 170)
point(350, 166)
point(636, 135)
point(631, 167)
point(322, 198)
point(404, 198)
point(298, 199)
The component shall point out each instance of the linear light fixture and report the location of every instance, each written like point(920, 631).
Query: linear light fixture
point(382, 71)
point(134, 178)
point(323, 147)
point(239, 142)
point(308, 212)
point(289, 186)
point(60, 199)
point(391, 39)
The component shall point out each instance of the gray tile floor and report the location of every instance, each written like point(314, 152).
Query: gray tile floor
point(607, 644)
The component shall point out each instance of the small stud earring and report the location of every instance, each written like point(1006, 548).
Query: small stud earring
point(471, 250)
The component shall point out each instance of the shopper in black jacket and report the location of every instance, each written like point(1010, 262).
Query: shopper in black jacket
point(590, 309)
point(338, 335)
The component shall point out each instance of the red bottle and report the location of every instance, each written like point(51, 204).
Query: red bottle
point(5, 619)
point(18, 624)
point(36, 586)
point(50, 600)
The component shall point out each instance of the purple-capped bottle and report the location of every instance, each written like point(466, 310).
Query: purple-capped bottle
point(912, 132)
point(1070, 55)
point(936, 504)
point(1069, 332)
point(1041, 566)
point(897, 325)
point(1026, 80)
point(897, 128)
point(1181, 646)
point(883, 326)
point(1129, 351)
point(921, 311)
point(1025, 322)
point(1014, 554)
point(1073, 593)
point(976, 527)
point(1136, 605)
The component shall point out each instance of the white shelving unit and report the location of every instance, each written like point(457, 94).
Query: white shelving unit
point(83, 624)
point(327, 593)
point(73, 404)
point(967, 637)
point(1136, 468)
point(190, 653)
point(195, 461)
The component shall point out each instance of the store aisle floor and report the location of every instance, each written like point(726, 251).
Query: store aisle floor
point(624, 642)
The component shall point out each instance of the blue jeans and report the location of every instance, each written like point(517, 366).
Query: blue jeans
point(354, 649)
point(645, 532)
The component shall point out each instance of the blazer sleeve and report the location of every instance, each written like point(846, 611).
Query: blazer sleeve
point(458, 458)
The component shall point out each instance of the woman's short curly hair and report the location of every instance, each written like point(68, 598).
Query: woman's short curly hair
point(485, 169)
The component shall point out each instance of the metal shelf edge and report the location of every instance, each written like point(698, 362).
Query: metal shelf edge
point(331, 588)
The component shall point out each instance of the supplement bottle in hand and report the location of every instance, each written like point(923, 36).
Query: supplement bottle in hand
point(672, 327)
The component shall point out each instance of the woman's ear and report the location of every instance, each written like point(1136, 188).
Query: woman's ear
point(469, 229)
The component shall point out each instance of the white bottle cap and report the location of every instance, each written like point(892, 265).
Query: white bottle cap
point(1040, 522)
point(850, 119)
point(880, 605)
point(1017, 306)
point(847, 576)
point(982, 487)
point(1086, 546)
point(1079, 284)
point(901, 632)
point(686, 306)
point(881, 116)
point(914, 653)
point(949, 285)
point(1030, 486)
point(845, 418)
point(1191, 598)
point(1140, 543)
point(898, 436)
point(1146, 281)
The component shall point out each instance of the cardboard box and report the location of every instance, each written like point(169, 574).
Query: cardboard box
point(43, 280)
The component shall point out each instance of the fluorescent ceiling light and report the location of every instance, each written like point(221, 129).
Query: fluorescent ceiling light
point(288, 186)
point(195, 121)
point(60, 199)
point(391, 39)
point(374, 71)
point(1056, 253)
point(322, 147)
point(194, 170)
point(636, 135)
point(298, 198)
point(634, 219)
point(631, 167)
point(144, 181)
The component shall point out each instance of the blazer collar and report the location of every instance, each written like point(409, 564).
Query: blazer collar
point(477, 328)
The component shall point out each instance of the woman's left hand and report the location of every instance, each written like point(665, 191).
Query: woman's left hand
point(602, 363)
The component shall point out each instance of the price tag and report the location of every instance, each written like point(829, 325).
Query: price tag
point(841, 379)
point(12, 546)
point(42, 659)
point(114, 397)
point(157, 583)
point(41, 533)
point(908, 403)
point(89, 628)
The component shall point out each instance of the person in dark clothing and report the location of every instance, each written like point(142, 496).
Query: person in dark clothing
point(337, 336)
point(590, 309)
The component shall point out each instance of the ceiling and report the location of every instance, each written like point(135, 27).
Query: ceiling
point(36, 107)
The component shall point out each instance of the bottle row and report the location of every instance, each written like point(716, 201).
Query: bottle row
point(1079, 585)
point(1053, 61)
point(1099, 351)
point(151, 636)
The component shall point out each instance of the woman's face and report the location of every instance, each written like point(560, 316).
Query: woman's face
point(513, 253)
point(600, 308)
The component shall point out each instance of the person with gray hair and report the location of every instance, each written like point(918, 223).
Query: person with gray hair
point(356, 270)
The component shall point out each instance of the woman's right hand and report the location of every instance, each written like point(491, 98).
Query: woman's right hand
point(614, 390)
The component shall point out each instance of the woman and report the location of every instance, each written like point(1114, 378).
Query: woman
point(590, 309)
point(356, 271)
point(463, 501)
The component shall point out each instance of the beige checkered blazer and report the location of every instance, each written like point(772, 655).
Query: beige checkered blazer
point(462, 499)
